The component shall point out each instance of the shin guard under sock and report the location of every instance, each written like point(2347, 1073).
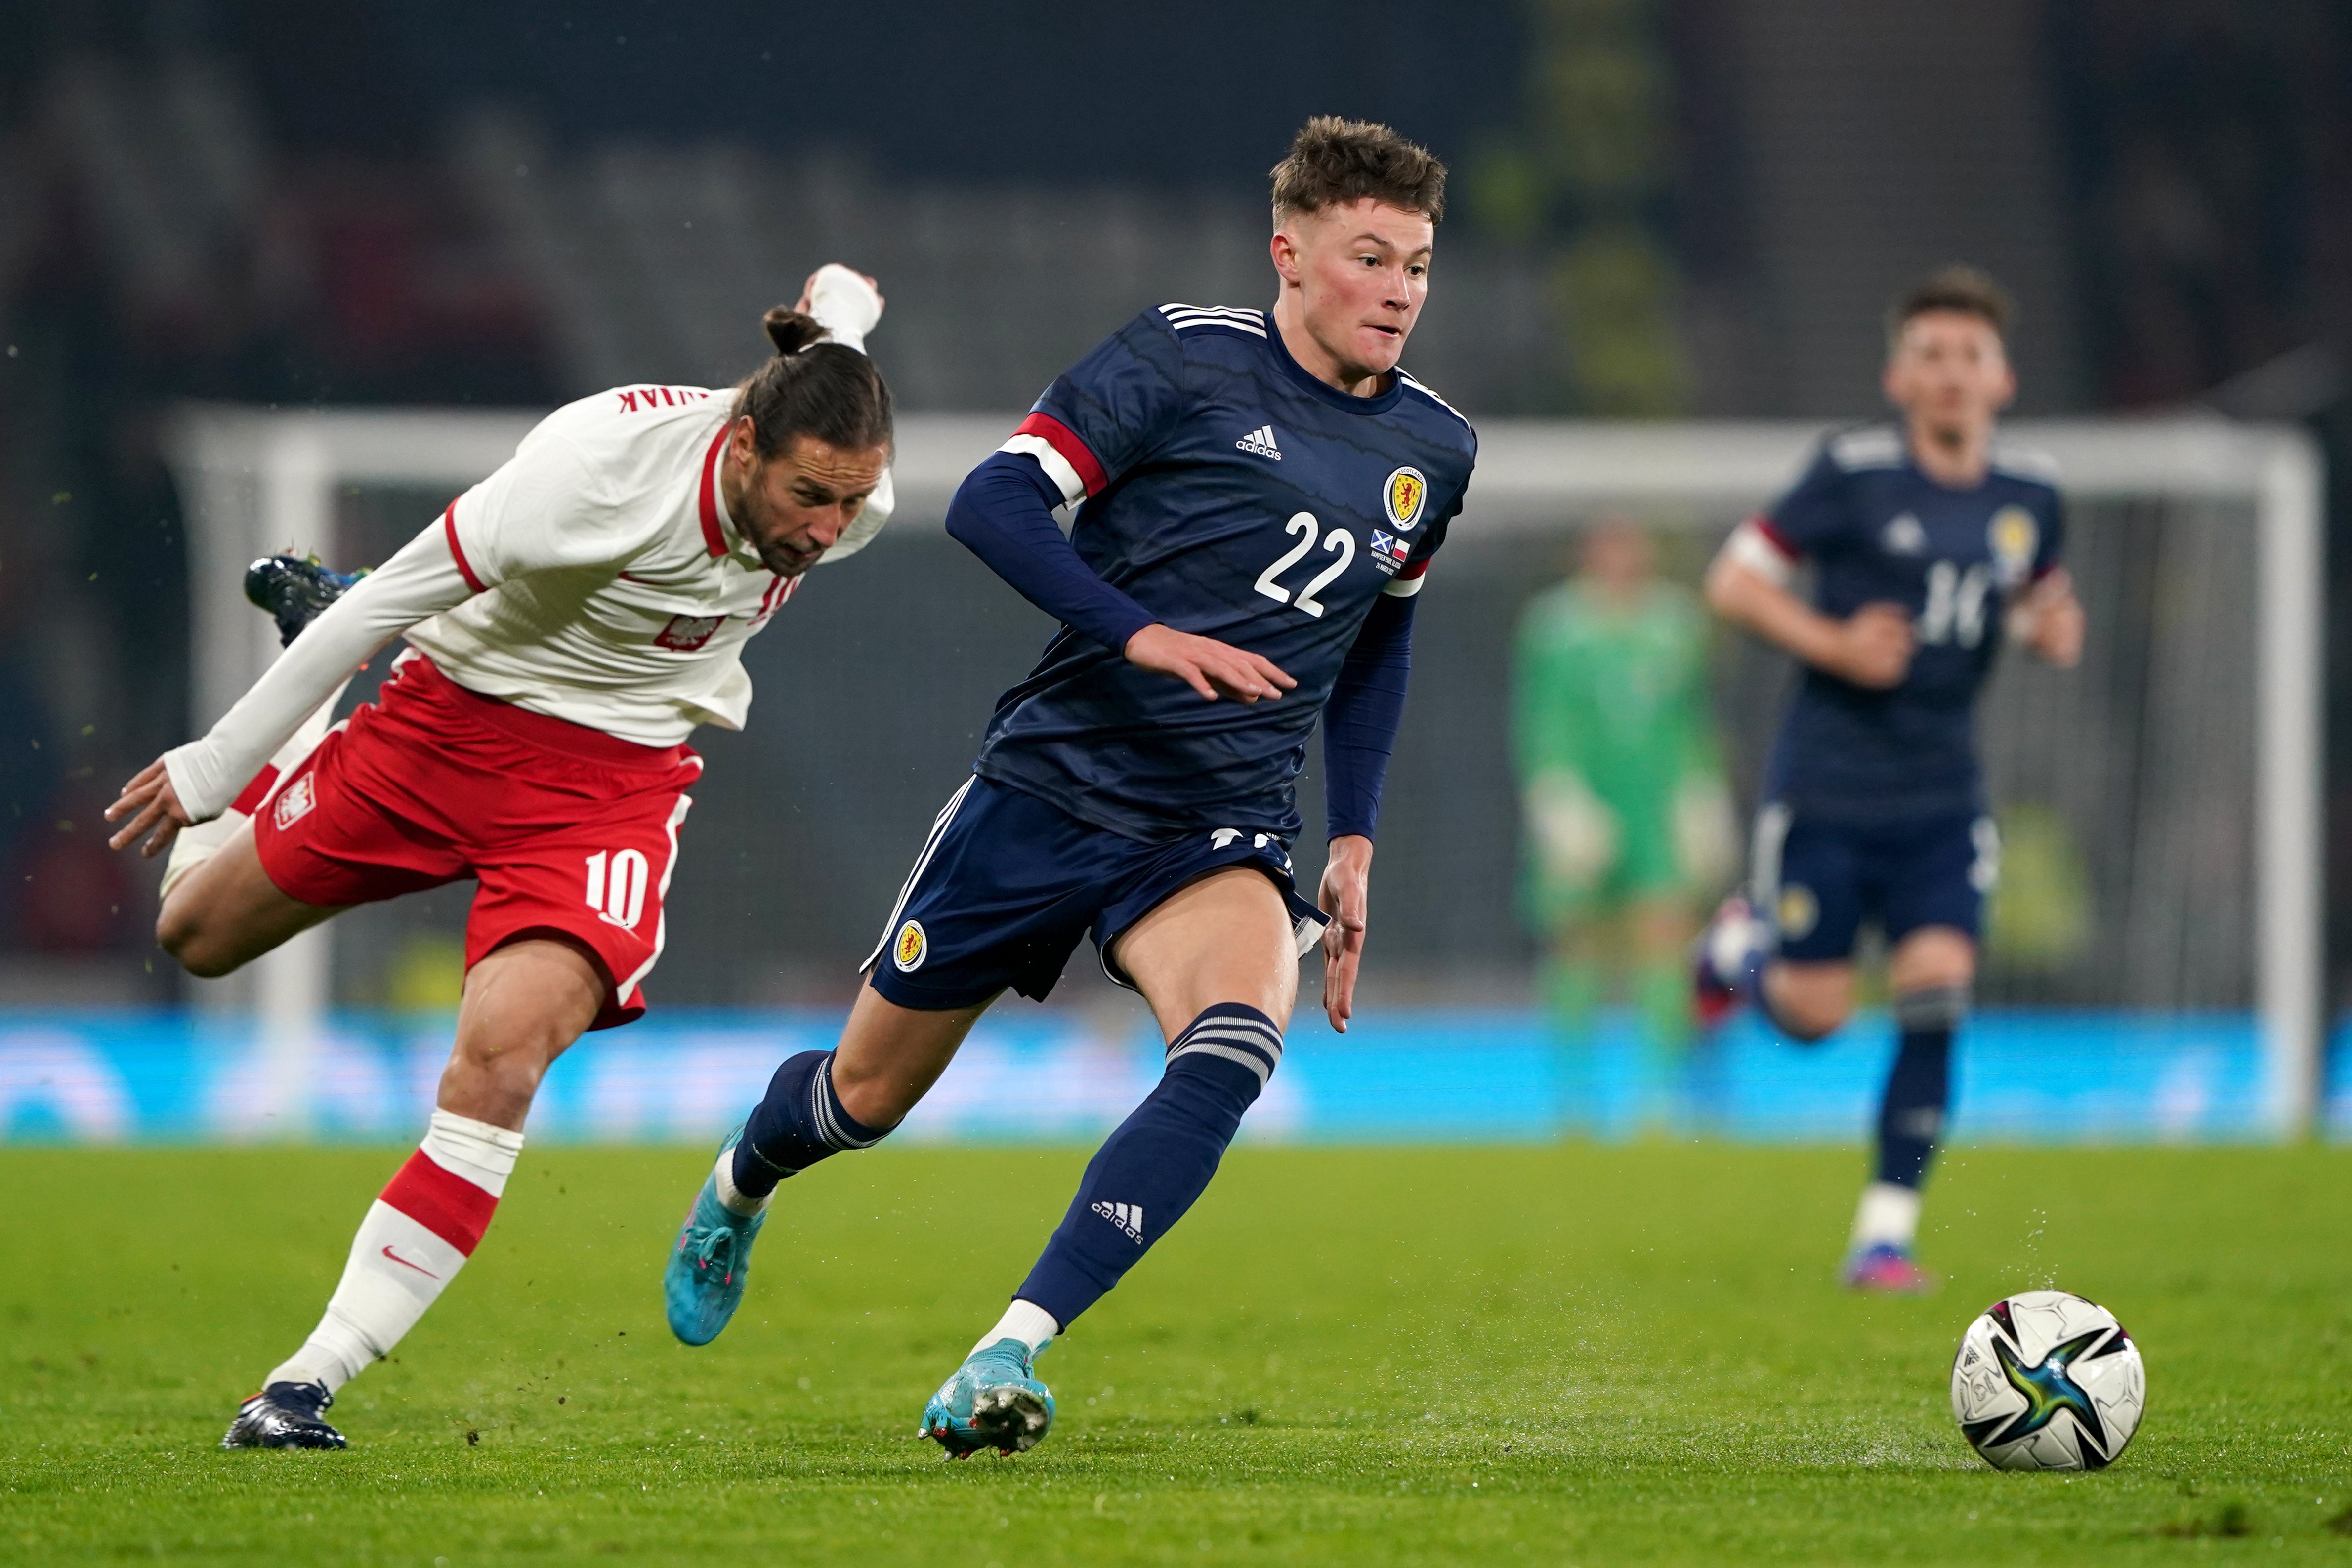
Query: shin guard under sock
point(801, 1122)
point(1151, 1169)
point(1918, 1086)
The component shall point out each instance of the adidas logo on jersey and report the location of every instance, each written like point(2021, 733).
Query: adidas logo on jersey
point(1905, 536)
point(1261, 442)
point(1127, 1217)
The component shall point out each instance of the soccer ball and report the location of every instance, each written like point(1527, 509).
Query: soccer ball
point(2046, 1381)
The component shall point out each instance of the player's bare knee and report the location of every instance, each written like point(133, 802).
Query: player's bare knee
point(1933, 958)
point(1811, 1007)
point(193, 944)
point(1810, 1027)
point(880, 1100)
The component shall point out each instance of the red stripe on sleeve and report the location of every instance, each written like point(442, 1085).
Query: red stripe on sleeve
point(249, 799)
point(465, 567)
point(1074, 452)
point(1418, 568)
point(1774, 537)
point(447, 1205)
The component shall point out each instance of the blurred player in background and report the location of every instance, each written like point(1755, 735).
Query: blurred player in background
point(1629, 820)
point(1929, 540)
point(1258, 494)
point(571, 621)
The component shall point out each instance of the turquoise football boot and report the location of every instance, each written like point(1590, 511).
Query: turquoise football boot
point(704, 1283)
point(994, 1401)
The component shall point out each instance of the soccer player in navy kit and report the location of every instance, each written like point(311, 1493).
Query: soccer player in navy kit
point(1258, 496)
point(1930, 540)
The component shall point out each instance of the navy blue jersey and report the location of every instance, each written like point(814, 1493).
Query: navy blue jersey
point(1233, 496)
point(1877, 530)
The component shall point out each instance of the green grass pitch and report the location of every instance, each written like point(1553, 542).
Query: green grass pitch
point(1559, 1355)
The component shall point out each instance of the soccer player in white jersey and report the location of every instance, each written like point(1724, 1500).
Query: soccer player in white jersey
point(571, 619)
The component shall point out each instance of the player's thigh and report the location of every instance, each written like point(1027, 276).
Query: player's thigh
point(524, 1005)
point(889, 1055)
point(1227, 937)
point(227, 912)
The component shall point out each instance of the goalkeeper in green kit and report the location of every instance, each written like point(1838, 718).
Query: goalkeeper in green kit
point(1628, 822)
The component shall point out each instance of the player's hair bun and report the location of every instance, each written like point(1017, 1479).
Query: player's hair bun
point(790, 330)
point(811, 386)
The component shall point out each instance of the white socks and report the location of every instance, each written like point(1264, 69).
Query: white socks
point(731, 1197)
point(415, 1237)
point(1889, 1216)
point(1027, 1321)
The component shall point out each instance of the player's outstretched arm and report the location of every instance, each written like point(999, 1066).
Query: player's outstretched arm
point(1003, 513)
point(195, 782)
point(1871, 648)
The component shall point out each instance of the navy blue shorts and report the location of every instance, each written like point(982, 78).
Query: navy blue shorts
point(1818, 881)
point(1007, 885)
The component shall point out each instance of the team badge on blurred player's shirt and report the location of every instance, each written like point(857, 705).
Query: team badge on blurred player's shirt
point(907, 951)
point(294, 801)
point(1402, 497)
point(1797, 911)
point(2013, 536)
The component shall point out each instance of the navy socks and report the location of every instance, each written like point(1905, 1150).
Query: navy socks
point(1151, 1169)
point(799, 1122)
point(1919, 1087)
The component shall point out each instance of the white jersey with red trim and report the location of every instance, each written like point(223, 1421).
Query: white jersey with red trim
point(611, 588)
point(596, 578)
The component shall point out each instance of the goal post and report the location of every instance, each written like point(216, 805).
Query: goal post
point(1530, 471)
point(255, 481)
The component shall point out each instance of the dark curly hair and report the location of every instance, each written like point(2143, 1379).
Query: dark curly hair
point(1334, 161)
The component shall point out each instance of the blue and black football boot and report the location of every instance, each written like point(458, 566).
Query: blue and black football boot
point(284, 1415)
point(294, 590)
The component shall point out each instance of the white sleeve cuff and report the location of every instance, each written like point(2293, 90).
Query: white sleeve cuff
point(1748, 546)
point(1056, 466)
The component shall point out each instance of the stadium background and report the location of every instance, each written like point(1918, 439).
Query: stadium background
point(1663, 208)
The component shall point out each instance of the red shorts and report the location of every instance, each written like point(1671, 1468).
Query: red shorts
point(571, 832)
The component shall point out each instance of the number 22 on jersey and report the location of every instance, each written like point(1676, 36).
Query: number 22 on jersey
point(1338, 542)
